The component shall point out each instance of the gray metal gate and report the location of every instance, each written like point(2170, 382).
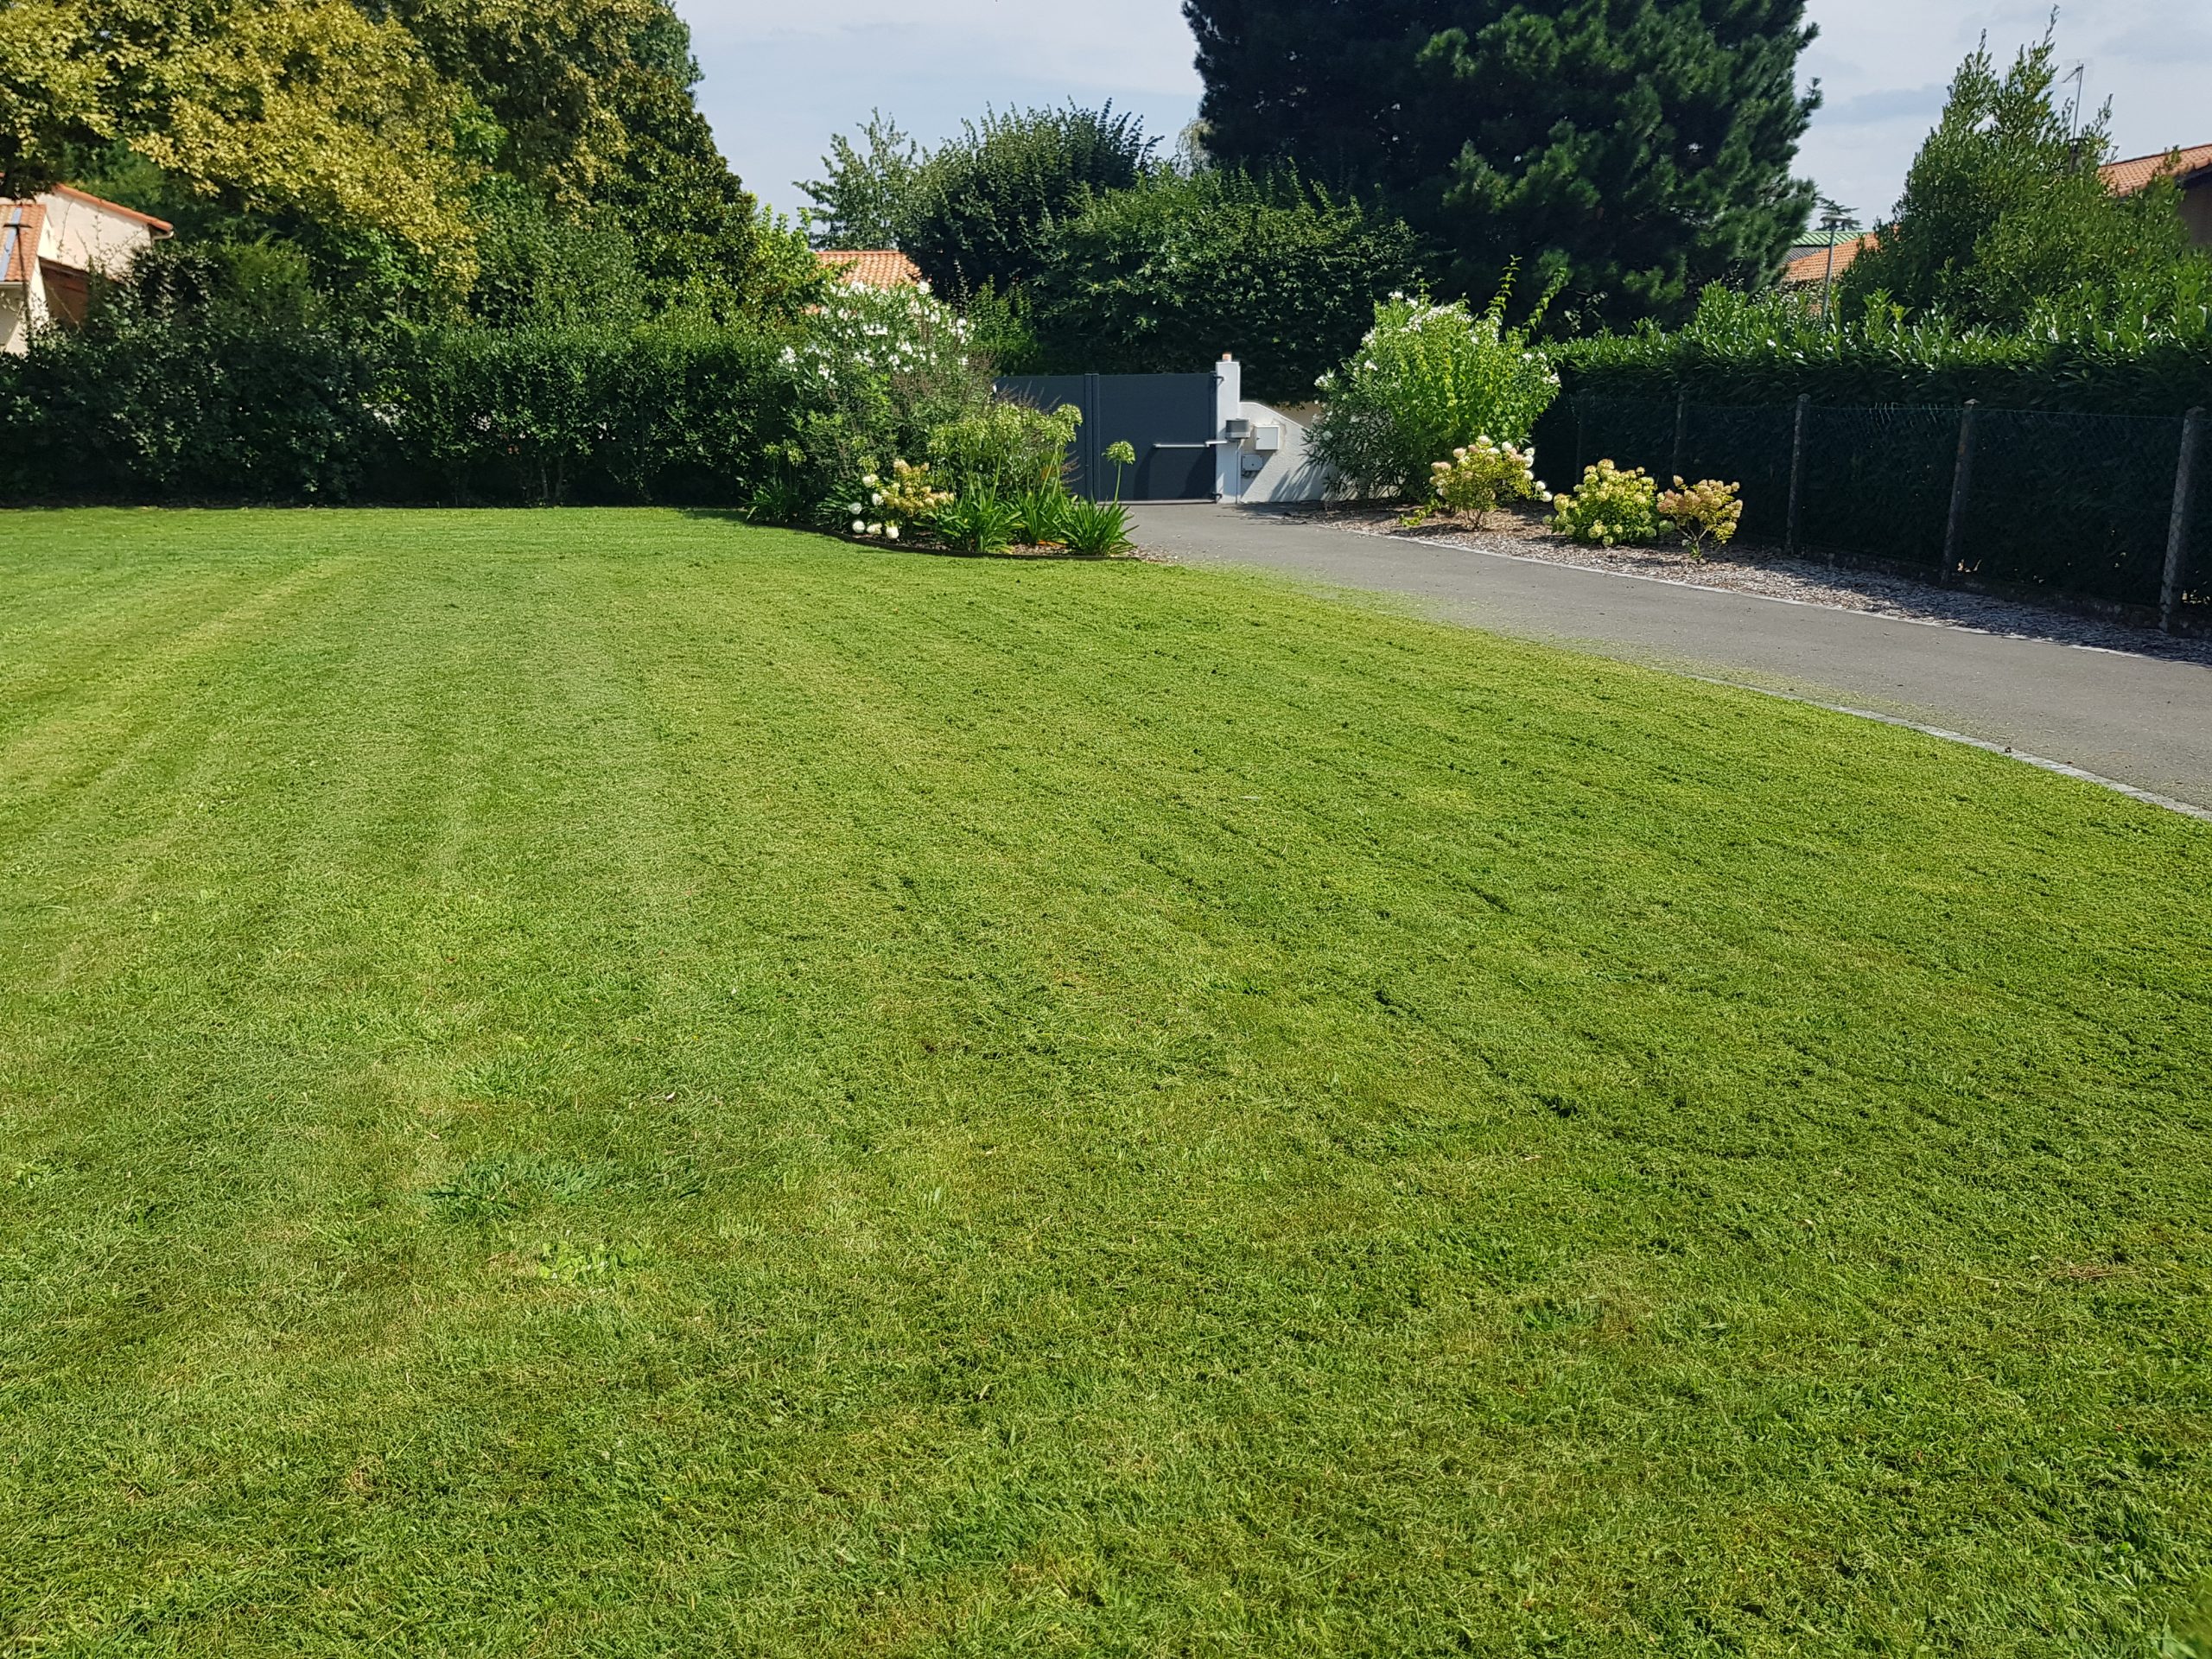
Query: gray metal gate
point(1170, 420)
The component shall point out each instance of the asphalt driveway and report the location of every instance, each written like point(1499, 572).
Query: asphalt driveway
point(2141, 721)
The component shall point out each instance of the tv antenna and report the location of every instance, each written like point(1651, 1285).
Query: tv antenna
point(2079, 75)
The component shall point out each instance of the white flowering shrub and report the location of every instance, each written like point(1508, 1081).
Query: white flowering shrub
point(866, 339)
point(1428, 380)
point(878, 370)
point(1483, 474)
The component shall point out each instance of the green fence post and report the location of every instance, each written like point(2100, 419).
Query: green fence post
point(1796, 474)
point(1682, 430)
point(2170, 591)
point(1961, 483)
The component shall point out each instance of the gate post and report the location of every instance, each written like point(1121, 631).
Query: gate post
point(1961, 486)
point(1228, 405)
point(1796, 474)
point(2170, 591)
point(1093, 441)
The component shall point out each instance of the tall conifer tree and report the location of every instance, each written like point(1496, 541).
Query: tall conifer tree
point(1638, 147)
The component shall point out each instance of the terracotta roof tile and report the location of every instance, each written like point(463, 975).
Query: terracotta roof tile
point(20, 225)
point(1810, 269)
point(2126, 178)
point(872, 267)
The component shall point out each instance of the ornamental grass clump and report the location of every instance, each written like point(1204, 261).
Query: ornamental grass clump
point(1005, 448)
point(1099, 529)
point(1611, 507)
point(1478, 477)
point(1707, 511)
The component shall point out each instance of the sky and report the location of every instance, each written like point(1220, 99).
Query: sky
point(782, 76)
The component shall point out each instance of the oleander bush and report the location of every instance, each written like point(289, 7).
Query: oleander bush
point(1427, 380)
point(1610, 507)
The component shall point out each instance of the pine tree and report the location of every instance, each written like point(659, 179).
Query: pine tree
point(1639, 150)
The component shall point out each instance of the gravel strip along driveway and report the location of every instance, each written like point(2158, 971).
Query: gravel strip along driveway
point(1767, 572)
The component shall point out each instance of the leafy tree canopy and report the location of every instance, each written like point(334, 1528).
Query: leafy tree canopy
point(1640, 149)
point(2004, 216)
point(977, 213)
point(395, 142)
point(300, 107)
point(868, 198)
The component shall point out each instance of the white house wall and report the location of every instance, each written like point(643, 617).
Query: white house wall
point(15, 323)
point(86, 237)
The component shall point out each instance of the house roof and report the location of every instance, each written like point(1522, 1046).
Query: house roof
point(872, 267)
point(20, 225)
point(2126, 178)
point(1810, 269)
point(159, 226)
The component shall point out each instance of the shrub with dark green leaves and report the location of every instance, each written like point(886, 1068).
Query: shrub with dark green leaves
point(2005, 208)
point(140, 408)
point(2153, 357)
point(982, 205)
point(1165, 278)
point(143, 408)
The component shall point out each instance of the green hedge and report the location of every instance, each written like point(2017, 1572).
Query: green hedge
point(1169, 275)
point(146, 410)
point(1770, 350)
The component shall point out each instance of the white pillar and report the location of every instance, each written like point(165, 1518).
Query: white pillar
point(1228, 405)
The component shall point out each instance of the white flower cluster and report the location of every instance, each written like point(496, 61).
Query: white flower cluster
point(1482, 474)
point(877, 333)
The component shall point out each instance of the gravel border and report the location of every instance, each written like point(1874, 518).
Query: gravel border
point(1767, 574)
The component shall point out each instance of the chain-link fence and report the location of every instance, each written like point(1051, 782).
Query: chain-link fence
point(2077, 503)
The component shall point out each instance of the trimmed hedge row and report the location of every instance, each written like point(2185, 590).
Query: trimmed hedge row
point(157, 411)
point(1765, 351)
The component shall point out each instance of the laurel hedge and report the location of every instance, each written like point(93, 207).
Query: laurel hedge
point(148, 410)
point(1771, 349)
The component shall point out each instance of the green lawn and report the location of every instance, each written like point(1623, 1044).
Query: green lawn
point(617, 1084)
